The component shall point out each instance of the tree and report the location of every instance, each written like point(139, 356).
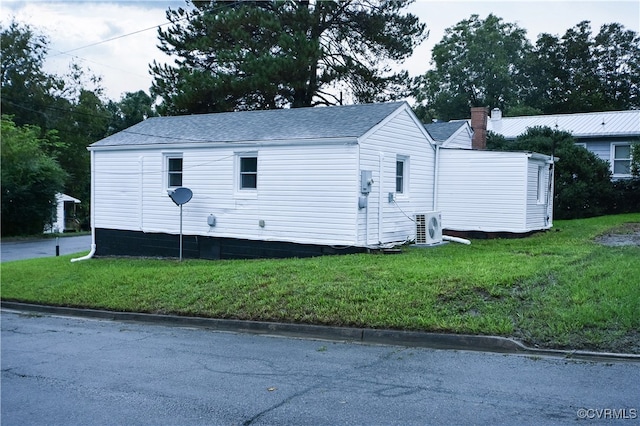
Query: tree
point(582, 180)
point(477, 63)
point(69, 106)
point(26, 88)
point(243, 55)
point(131, 109)
point(582, 73)
point(30, 179)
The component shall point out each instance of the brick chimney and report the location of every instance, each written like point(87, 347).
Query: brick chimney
point(479, 125)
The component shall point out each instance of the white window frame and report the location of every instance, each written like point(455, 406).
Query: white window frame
point(240, 191)
point(614, 159)
point(166, 172)
point(404, 159)
point(540, 197)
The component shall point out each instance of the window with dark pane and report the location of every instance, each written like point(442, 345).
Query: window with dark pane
point(399, 176)
point(175, 172)
point(248, 172)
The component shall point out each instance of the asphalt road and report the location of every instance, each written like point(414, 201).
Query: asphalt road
point(74, 371)
point(30, 249)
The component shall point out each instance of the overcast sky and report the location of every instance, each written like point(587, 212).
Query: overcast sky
point(77, 29)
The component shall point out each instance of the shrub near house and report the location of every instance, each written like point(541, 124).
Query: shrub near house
point(583, 186)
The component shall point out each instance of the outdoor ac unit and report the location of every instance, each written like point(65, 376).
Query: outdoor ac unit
point(428, 228)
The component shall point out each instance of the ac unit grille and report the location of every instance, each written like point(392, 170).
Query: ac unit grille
point(428, 228)
point(421, 229)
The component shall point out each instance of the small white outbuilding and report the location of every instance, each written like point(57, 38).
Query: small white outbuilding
point(64, 217)
point(495, 191)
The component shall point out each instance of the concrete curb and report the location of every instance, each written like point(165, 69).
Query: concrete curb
point(308, 331)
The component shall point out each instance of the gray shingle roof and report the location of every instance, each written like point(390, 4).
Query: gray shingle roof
point(283, 124)
point(443, 130)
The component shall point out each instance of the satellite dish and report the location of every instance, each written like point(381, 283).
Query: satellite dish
point(181, 195)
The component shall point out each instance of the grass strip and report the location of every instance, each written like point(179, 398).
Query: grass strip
point(557, 289)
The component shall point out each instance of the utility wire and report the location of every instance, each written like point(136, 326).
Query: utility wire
point(113, 38)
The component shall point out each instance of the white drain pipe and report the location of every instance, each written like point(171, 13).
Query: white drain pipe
point(455, 240)
point(92, 207)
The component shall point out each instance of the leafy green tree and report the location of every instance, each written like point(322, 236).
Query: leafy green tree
point(30, 179)
point(131, 109)
point(26, 88)
point(478, 62)
point(69, 106)
point(582, 73)
point(243, 55)
point(582, 180)
point(617, 52)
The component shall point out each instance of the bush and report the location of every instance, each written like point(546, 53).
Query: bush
point(626, 196)
point(583, 186)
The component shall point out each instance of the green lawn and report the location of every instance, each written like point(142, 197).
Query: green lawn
point(557, 289)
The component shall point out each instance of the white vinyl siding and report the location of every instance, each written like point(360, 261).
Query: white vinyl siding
point(389, 221)
point(491, 191)
point(307, 194)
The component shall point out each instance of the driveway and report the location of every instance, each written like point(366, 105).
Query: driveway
point(30, 249)
point(74, 371)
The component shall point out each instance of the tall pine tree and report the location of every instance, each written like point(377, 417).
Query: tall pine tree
point(244, 55)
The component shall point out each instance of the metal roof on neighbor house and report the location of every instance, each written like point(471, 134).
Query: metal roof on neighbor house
point(442, 130)
point(582, 125)
point(255, 126)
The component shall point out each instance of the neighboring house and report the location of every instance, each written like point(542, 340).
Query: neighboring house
point(281, 183)
point(65, 215)
point(608, 134)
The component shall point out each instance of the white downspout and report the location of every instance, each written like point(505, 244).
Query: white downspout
point(436, 172)
point(92, 214)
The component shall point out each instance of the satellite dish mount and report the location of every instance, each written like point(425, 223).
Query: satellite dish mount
point(180, 196)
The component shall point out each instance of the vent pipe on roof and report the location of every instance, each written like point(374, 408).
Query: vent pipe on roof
point(496, 114)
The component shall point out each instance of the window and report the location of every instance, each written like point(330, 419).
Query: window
point(541, 185)
point(621, 155)
point(249, 172)
point(401, 174)
point(174, 171)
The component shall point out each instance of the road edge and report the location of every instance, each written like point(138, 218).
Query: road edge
point(406, 338)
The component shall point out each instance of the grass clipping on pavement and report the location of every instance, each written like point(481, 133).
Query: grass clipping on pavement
point(559, 289)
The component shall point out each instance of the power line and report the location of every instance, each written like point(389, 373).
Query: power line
point(114, 38)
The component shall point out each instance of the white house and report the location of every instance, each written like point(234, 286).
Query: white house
point(265, 183)
point(294, 182)
point(607, 134)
